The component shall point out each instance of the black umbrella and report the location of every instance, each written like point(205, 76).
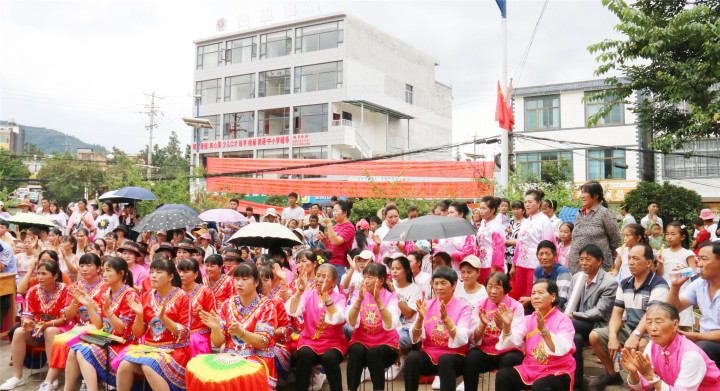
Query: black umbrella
point(165, 220)
point(430, 227)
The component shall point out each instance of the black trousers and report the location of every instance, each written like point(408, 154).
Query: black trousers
point(712, 349)
point(307, 359)
point(376, 358)
point(477, 362)
point(508, 379)
point(418, 363)
point(582, 334)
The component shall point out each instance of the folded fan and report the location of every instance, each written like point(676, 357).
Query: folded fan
point(225, 371)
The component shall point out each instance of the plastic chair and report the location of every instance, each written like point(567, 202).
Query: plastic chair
point(36, 352)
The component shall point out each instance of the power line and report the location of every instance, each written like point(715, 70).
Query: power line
point(526, 53)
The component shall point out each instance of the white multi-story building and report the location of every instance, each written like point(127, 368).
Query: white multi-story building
point(557, 112)
point(328, 87)
point(556, 115)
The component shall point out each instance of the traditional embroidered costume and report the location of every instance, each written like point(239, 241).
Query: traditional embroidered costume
point(222, 289)
point(491, 247)
point(201, 299)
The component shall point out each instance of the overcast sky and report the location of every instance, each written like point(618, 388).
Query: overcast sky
point(83, 66)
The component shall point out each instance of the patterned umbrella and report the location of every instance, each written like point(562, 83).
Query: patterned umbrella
point(165, 220)
point(266, 235)
point(177, 207)
point(223, 216)
point(567, 214)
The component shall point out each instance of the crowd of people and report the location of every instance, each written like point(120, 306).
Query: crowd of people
point(522, 296)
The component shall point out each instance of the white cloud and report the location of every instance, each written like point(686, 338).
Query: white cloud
point(82, 66)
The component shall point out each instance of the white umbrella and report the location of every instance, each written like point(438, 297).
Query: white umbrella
point(266, 235)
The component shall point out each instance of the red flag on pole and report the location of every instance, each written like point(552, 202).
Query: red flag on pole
point(503, 113)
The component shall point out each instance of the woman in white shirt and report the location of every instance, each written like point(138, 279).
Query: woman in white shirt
point(408, 293)
point(107, 221)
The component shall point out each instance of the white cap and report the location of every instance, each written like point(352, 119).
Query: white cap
point(365, 254)
point(271, 212)
point(472, 261)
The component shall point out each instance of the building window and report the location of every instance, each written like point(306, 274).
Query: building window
point(275, 153)
point(542, 112)
point(546, 165)
point(408, 93)
point(240, 87)
point(679, 167)
point(614, 117)
point(209, 90)
point(211, 134)
point(318, 77)
point(319, 37)
point(318, 152)
point(275, 44)
point(239, 154)
point(275, 82)
point(239, 125)
point(310, 119)
point(241, 50)
point(601, 164)
point(208, 56)
point(274, 122)
point(4, 139)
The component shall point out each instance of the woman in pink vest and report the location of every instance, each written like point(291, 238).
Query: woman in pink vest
point(484, 356)
point(670, 361)
point(443, 325)
point(375, 316)
point(321, 340)
point(491, 238)
point(548, 338)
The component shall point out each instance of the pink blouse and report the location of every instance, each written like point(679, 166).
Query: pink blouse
point(491, 244)
point(533, 230)
point(458, 247)
point(369, 327)
point(321, 331)
point(492, 332)
point(436, 338)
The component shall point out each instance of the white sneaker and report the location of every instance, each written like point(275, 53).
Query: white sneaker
point(436, 383)
point(393, 372)
point(365, 375)
point(46, 386)
point(83, 386)
point(56, 384)
point(461, 386)
point(317, 381)
point(12, 383)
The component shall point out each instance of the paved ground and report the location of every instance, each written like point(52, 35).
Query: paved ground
point(592, 369)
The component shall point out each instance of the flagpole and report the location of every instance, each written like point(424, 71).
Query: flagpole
point(504, 134)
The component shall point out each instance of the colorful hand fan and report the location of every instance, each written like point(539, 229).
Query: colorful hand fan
point(225, 371)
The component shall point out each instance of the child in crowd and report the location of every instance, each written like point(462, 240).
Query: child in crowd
point(656, 240)
point(633, 234)
point(563, 250)
point(677, 256)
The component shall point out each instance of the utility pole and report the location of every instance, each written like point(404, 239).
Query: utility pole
point(66, 145)
point(152, 112)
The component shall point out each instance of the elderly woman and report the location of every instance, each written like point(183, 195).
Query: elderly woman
point(670, 360)
point(485, 356)
point(547, 337)
point(594, 223)
point(443, 325)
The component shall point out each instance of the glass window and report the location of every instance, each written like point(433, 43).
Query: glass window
point(679, 167)
point(310, 119)
point(275, 82)
point(274, 122)
point(318, 77)
point(241, 50)
point(239, 125)
point(275, 44)
point(614, 117)
point(239, 154)
point(209, 90)
point(214, 133)
point(275, 153)
point(4, 139)
point(208, 56)
point(408, 93)
point(240, 87)
point(542, 112)
point(532, 163)
point(601, 164)
point(318, 152)
point(319, 37)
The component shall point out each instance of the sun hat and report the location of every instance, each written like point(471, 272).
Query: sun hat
point(362, 224)
point(707, 214)
point(129, 245)
point(271, 212)
point(423, 245)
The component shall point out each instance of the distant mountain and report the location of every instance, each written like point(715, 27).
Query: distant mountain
point(51, 141)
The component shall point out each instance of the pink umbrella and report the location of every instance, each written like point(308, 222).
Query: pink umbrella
point(223, 216)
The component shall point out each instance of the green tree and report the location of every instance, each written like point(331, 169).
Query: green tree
point(555, 180)
point(32, 149)
point(674, 202)
point(11, 167)
point(67, 178)
point(669, 55)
